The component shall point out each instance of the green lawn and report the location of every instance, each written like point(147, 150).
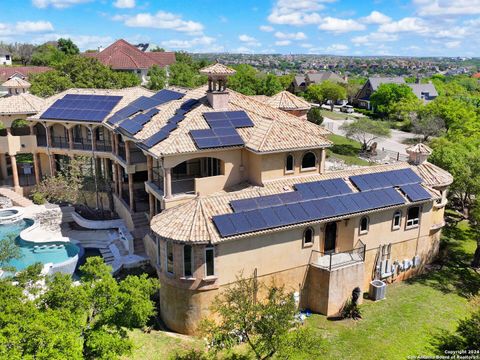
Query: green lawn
point(405, 323)
point(334, 115)
point(346, 150)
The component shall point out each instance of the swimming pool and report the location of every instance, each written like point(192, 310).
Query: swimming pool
point(49, 252)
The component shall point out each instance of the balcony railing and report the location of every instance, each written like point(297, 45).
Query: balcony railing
point(60, 142)
point(104, 146)
point(41, 141)
point(82, 144)
point(333, 261)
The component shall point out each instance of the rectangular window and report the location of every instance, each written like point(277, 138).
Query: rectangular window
point(169, 257)
point(159, 253)
point(209, 261)
point(397, 219)
point(187, 261)
point(413, 216)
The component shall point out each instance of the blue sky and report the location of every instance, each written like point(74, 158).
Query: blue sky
point(343, 27)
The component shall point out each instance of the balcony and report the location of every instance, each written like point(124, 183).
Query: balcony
point(60, 142)
point(105, 146)
point(82, 144)
point(334, 261)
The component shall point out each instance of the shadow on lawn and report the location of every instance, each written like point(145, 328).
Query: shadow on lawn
point(455, 273)
point(345, 149)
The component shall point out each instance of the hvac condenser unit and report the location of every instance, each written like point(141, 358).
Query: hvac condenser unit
point(377, 290)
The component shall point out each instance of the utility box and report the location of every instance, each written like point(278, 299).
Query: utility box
point(377, 290)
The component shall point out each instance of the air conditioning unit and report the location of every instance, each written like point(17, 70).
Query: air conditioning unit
point(377, 290)
point(416, 260)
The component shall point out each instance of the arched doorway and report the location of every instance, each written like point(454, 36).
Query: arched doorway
point(330, 238)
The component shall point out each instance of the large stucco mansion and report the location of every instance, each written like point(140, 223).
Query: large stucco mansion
point(230, 183)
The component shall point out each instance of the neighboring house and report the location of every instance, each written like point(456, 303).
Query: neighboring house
point(20, 72)
point(476, 76)
point(124, 56)
point(301, 82)
point(231, 184)
point(287, 102)
point(425, 92)
point(5, 57)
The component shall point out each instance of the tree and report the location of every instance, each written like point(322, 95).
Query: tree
point(67, 321)
point(315, 116)
point(326, 90)
point(24, 52)
point(465, 338)
point(264, 324)
point(384, 99)
point(157, 78)
point(286, 80)
point(314, 93)
point(245, 80)
point(47, 55)
point(183, 74)
point(475, 222)
point(427, 125)
point(269, 85)
point(365, 131)
point(49, 83)
point(157, 49)
point(67, 46)
point(8, 251)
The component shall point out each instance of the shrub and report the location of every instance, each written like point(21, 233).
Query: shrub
point(351, 310)
point(38, 198)
point(315, 116)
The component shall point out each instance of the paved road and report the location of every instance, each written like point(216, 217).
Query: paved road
point(393, 144)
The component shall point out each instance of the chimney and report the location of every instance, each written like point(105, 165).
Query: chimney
point(217, 93)
point(418, 154)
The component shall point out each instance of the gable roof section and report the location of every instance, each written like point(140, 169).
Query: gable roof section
point(287, 101)
point(318, 77)
point(16, 82)
point(21, 104)
point(217, 69)
point(122, 55)
point(6, 72)
point(419, 89)
point(375, 82)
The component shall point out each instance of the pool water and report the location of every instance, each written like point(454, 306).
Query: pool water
point(52, 252)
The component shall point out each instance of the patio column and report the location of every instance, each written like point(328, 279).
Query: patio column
point(167, 183)
point(150, 168)
point(3, 166)
point(13, 161)
point(107, 169)
point(94, 139)
point(151, 205)
point(321, 165)
point(115, 178)
point(119, 174)
point(53, 168)
point(130, 193)
point(127, 152)
point(113, 139)
point(70, 138)
point(36, 168)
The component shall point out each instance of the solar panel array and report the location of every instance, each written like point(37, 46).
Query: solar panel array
point(222, 132)
point(144, 103)
point(77, 107)
point(289, 214)
point(415, 192)
point(385, 179)
point(172, 123)
point(135, 124)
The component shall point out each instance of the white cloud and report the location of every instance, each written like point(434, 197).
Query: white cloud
point(124, 4)
point(243, 50)
point(84, 42)
point(336, 48)
point(408, 24)
point(59, 4)
point(301, 12)
point(306, 46)
point(452, 44)
point(373, 38)
point(282, 42)
point(163, 20)
point(292, 36)
point(340, 25)
point(266, 28)
point(447, 7)
point(249, 40)
point(376, 17)
point(189, 44)
point(33, 26)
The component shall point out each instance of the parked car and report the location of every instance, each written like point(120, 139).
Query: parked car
point(347, 109)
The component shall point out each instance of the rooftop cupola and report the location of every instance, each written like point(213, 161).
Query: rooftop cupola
point(419, 153)
point(16, 86)
point(217, 93)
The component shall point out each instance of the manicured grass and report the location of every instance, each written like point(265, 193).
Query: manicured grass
point(346, 150)
point(336, 115)
point(405, 324)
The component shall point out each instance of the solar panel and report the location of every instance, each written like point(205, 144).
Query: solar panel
point(78, 107)
point(234, 140)
point(415, 192)
point(156, 138)
point(224, 225)
point(323, 188)
point(385, 179)
point(243, 205)
point(166, 95)
point(206, 143)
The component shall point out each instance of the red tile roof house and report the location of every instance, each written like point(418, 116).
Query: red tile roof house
point(21, 72)
point(123, 56)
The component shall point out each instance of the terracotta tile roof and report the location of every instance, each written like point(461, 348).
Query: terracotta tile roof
point(192, 221)
point(217, 69)
point(16, 82)
point(6, 72)
point(433, 175)
point(124, 56)
point(274, 130)
point(287, 101)
point(476, 76)
point(419, 149)
point(21, 104)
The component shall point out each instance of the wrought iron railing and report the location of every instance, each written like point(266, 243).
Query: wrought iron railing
point(82, 144)
point(103, 145)
point(332, 261)
point(41, 141)
point(60, 142)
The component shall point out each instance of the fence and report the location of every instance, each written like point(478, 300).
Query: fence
point(332, 261)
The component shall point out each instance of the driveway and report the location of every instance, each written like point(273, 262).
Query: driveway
point(393, 144)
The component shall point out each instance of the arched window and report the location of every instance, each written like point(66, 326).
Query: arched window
point(309, 160)
point(308, 236)
point(289, 163)
point(364, 222)
point(169, 256)
point(397, 220)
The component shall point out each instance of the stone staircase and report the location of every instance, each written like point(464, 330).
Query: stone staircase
point(16, 198)
point(142, 227)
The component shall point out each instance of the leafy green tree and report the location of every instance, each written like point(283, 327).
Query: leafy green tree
point(286, 80)
point(157, 49)
point(49, 83)
point(269, 85)
point(266, 325)
point(47, 55)
point(326, 90)
point(365, 131)
point(315, 116)
point(475, 223)
point(67, 46)
point(246, 80)
point(384, 99)
point(427, 125)
point(314, 93)
point(465, 338)
point(183, 74)
point(157, 78)
point(8, 251)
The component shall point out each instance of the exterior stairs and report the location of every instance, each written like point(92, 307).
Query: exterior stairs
point(141, 228)
point(16, 198)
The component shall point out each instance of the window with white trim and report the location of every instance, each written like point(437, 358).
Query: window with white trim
point(413, 216)
point(397, 220)
point(169, 255)
point(187, 261)
point(364, 224)
point(309, 160)
point(289, 163)
point(209, 261)
point(308, 236)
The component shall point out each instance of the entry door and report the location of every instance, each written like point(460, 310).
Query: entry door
point(330, 237)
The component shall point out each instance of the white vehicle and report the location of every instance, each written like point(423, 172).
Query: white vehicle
point(347, 109)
